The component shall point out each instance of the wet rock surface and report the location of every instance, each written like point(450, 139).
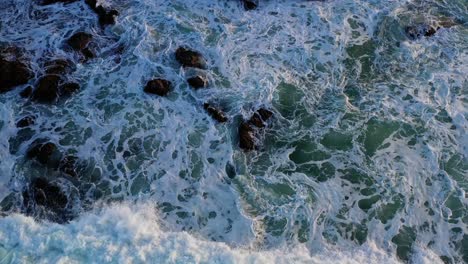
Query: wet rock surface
point(47, 89)
point(13, 72)
point(43, 193)
point(250, 4)
point(42, 152)
point(159, 87)
point(190, 58)
point(68, 165)
point(246, 136)
point(59, 66)
point(26, 121)
point(216, 113)
point(249, 130)
point(80, 43)
point(260, 117)
point(26, 92)
point(198, 82)
point(68, 89)
point(105, 17)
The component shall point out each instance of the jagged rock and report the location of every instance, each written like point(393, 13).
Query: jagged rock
point(217, 114)
point(246, 136)
point(13, 73)
point(160, 87)
point(190, 58)
point(106, 17)
point(79, 41)
point(42, 152)
point(46, 89)
point(43, 193)
point(26, 92)
point(418, 31)
point(259, 118)
point(428, 30)
point(68, 165)
point(250, 4)
point(25, 121)
point(88, 54)
point(68, 89)
point(197, 82)
point(248, 131)
point(58, 66)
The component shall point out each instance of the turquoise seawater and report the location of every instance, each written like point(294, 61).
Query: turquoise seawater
point(365, 159)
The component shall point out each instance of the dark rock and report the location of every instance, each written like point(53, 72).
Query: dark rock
point(91, 3)
point(43, 193)
point(259, 118)
point(42, 152)
point(246, 136)
point(79, 41)
point(13, 73)
point(25, 121)
point(190, 58)
point(46, 89)
point(197, 82)
point(217, 114)
point(26, 92)
point(68, 89)
point(68, 165)
point(418, 31)
point(88, 53)
point(160, 87)
point(250, 4)
point(248, 131)
point(230, 170)
point(106, 17)
point(58, 66)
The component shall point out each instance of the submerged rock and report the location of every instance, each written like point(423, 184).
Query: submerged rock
point(42, 152)
point(68, 165)
point(250, 4)
point(47, 194)
point(428, 30)
point(216, 113)
point(46, 89)
point(198, 82)
point(58, 66)
point(25, 121)
point(190, 58)
point(418, 31)
point(26, 92)
point(106, 17)
point(13, 73)
point(68, 89)
point(160, 87)
point(79, 42)
point(42, 197)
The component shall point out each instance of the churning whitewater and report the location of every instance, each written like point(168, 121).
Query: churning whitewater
point(233, 131)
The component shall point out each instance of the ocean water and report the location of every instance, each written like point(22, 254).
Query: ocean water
point(364, 161)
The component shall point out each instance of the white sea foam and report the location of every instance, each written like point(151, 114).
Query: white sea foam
point(178, 154)
point(132, 234)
